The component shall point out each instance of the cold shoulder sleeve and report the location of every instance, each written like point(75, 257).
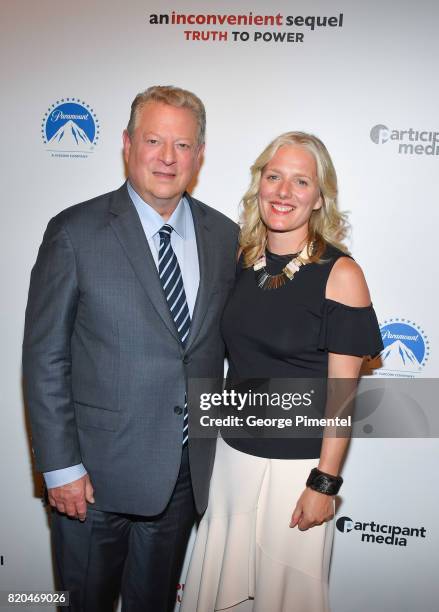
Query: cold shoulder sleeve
point(349, 330)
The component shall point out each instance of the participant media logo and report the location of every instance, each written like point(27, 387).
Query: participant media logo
point(406, 347)
point(70, 128)
point(380, 533)
point(408, 141)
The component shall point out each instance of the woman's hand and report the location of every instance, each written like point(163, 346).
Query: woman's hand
point(313, 508)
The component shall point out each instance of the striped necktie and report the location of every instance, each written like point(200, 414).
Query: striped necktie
point(172, 283)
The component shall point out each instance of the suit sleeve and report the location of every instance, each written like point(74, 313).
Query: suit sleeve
point(49, 322)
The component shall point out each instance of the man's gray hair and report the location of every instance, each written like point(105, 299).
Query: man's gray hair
point(174, 96)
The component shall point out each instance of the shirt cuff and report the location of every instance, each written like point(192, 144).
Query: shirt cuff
point(56, 478)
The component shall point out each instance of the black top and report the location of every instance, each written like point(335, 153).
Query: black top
point(287, 333)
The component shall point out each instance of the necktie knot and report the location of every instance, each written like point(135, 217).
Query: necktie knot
point(165, 232)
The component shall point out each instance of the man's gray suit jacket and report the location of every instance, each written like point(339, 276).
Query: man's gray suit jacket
point(105, 372)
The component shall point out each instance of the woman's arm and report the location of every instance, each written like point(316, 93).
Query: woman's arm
point(346, 284)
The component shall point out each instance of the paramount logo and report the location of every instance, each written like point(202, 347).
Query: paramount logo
point(58, 115)
point(387, 334)
point(70, 128)
point(406, 349)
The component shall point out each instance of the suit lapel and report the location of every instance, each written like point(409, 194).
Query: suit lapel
point(129, 231)
point(206, 259)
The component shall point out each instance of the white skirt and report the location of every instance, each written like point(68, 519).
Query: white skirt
point(246, 558)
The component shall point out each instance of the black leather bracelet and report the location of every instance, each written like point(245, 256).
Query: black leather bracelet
point(324, 483)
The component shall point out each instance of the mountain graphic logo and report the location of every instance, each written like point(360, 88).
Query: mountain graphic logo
point(70, 134)
point(70, 126)
point(406, 347)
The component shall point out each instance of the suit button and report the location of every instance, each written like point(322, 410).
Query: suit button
point(178, 409)
point(185, 359)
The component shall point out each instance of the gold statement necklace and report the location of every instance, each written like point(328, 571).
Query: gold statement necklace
point(275, 281)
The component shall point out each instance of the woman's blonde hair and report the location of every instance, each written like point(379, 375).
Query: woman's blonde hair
point(326, 225)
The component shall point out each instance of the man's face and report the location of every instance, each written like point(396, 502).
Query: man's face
point(163, 154)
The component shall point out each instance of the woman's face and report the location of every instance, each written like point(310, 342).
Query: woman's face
point(289, 190)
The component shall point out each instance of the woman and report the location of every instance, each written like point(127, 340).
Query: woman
point(300, 309)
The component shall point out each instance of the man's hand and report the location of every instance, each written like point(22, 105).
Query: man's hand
point(72, 498)
point(313, 508)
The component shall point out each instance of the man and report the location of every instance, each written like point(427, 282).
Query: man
point(124, 306)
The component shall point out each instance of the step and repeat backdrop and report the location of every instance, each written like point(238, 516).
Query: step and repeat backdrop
point(360, 75)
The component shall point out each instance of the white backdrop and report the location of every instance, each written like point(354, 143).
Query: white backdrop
point(357, 84)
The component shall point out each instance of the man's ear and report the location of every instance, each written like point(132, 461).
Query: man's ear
point(126, 145)
point(200, 155)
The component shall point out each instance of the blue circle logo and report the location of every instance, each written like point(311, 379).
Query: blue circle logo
point(406, 348)
point(70, 126)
